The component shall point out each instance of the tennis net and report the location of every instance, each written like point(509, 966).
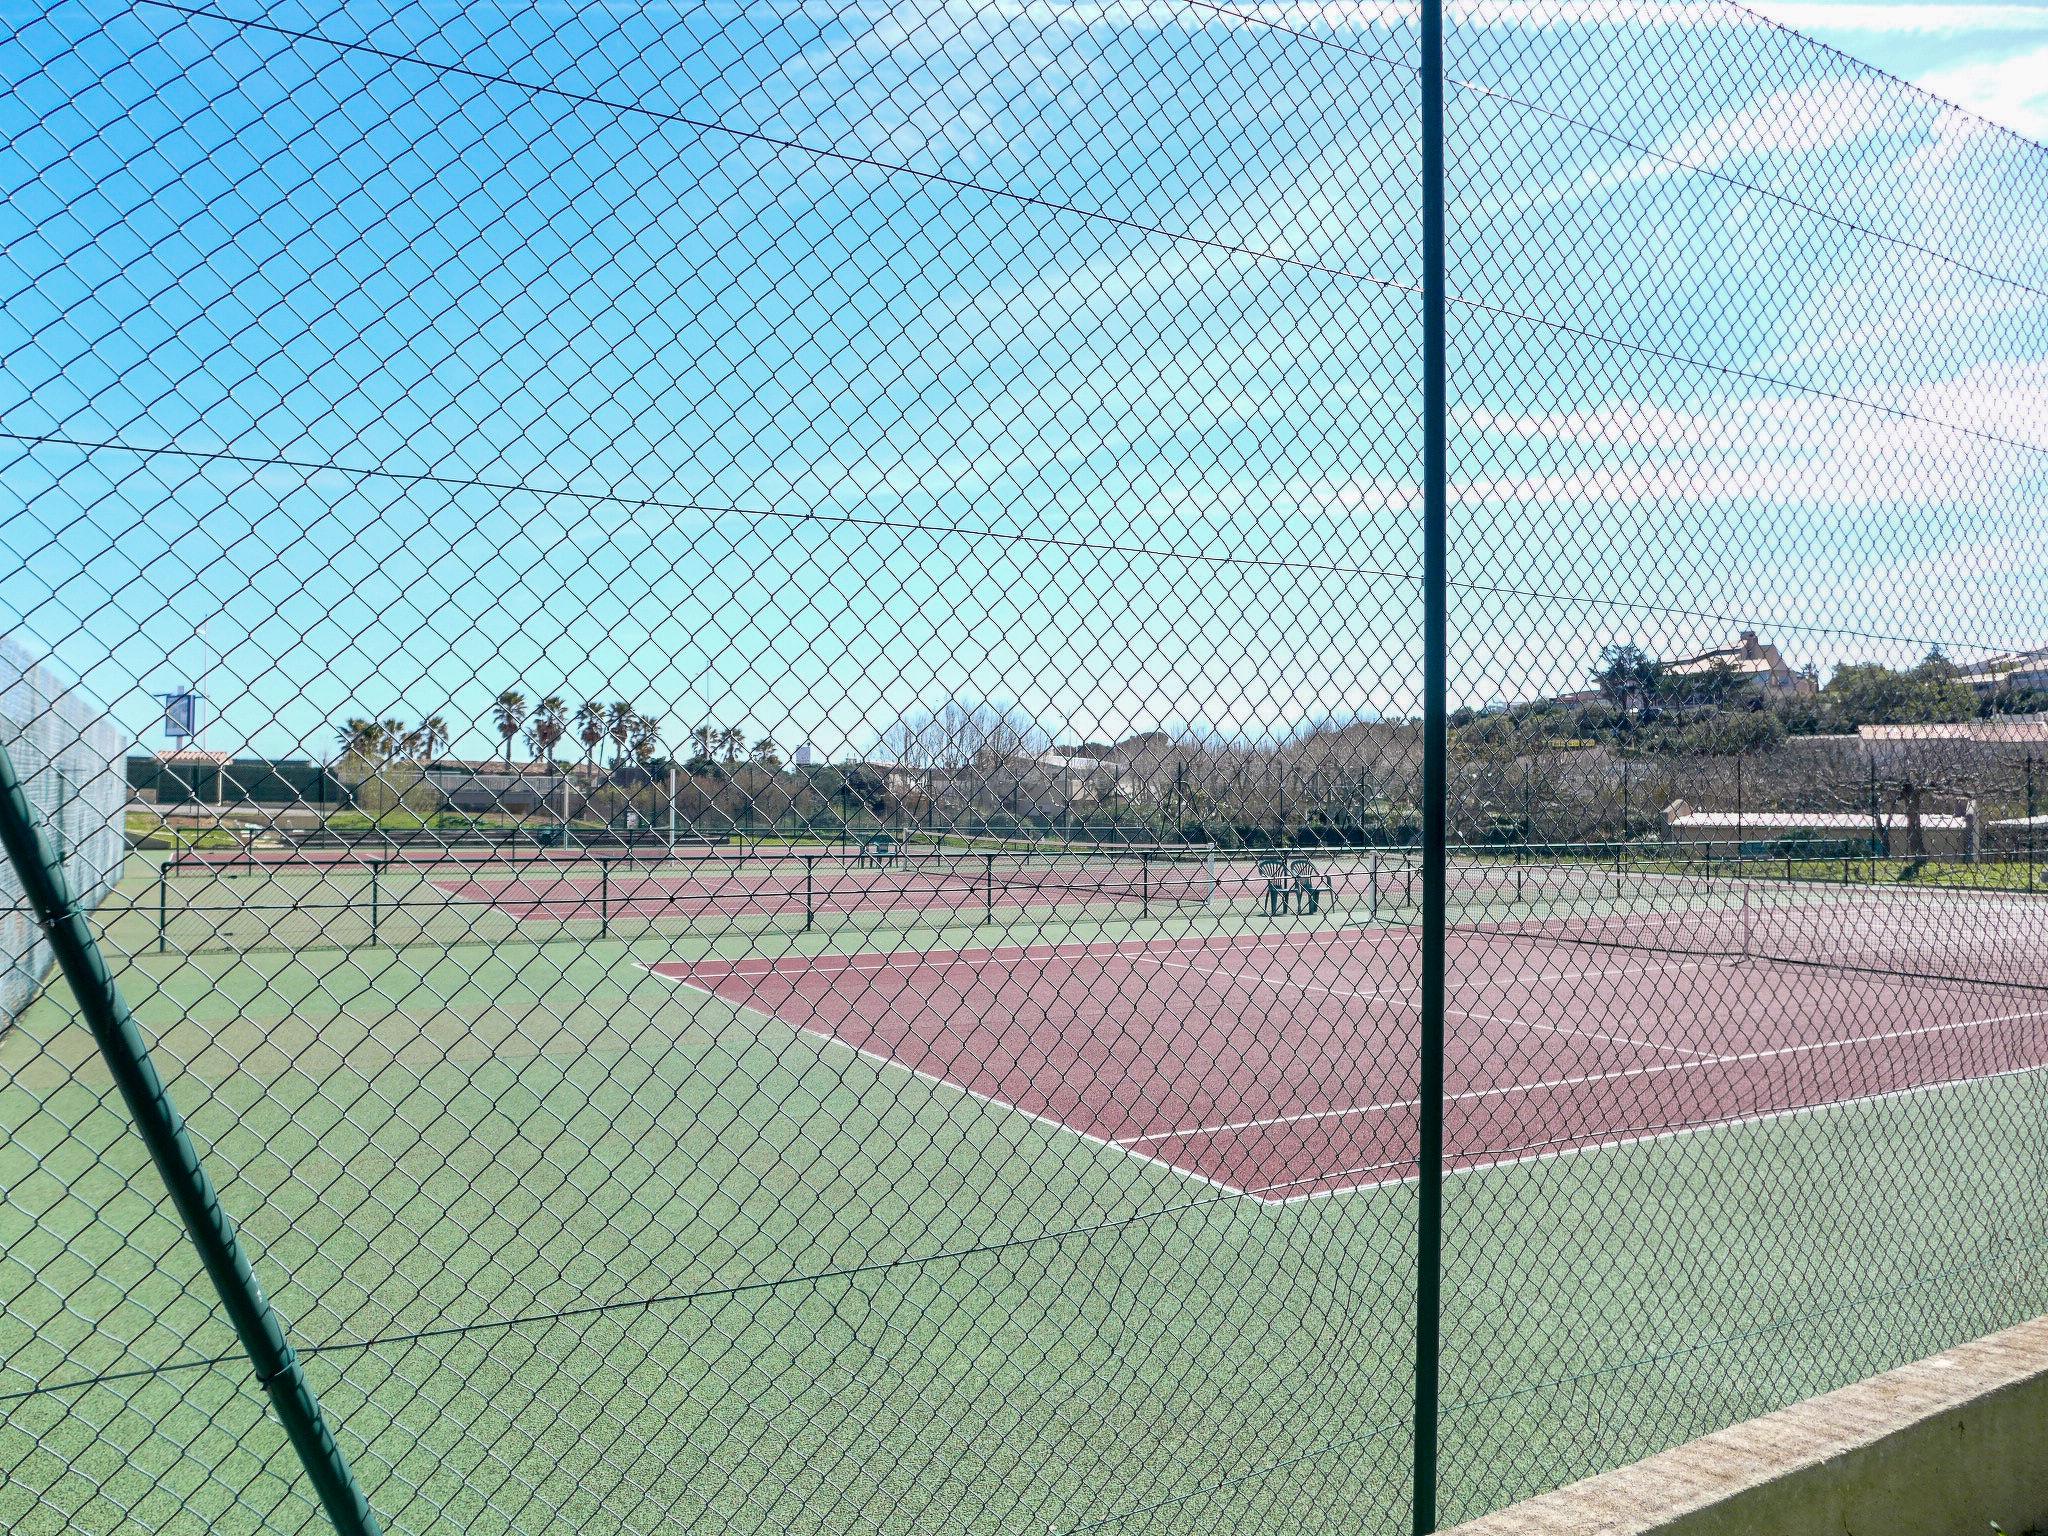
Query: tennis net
point(1737, 910)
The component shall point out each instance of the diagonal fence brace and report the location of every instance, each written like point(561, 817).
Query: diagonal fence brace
point(162, 1129)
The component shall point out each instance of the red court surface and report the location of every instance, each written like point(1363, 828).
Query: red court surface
point(1284, 1067)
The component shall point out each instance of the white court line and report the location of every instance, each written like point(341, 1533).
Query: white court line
point(1405, 997)
point(1070, 949)
point(1566, 1029)
point(1488, 1163)
point(1273, 943)
point(1581, 1079)
point(1474, 981)
point(882, 1058)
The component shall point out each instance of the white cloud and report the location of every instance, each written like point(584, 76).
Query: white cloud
point(2012, 91)
point(1814, 115)
point(1917, 20)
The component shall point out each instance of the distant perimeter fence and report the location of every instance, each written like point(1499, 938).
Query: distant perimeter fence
point(69, 756)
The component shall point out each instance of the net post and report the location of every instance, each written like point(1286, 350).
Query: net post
point(809, 861)
point(375, 865)
point(988, 887)
point(604, 898)
point(163, 906)
point(1435, 778)
point(1145, 884)
point(162, 1130)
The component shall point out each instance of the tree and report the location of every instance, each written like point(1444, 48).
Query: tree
point(1868, 693)
point(1711, 688)
point(731, 741)
point(645, 740)
point(371, 753)
point(1628, 676)
point(590, 728)
point(550, 725)
point(508, 710)
point(1935, 667)
point(618, 724)
point(979, 753)
point(701, 762)
point(767, 754)
point(434, 736)
point(1903, 774)
point(362, 738)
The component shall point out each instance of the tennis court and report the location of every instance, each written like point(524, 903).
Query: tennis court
point(1284, 1067)
point(810, 884)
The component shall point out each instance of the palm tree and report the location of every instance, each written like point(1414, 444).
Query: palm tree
point(550, 725)
point(730, 741)
point(508, 710)
point(618, 723)
point(646, 737)
point(767, 754)
point(589, 728)
point(434, 736)
point(361, 738)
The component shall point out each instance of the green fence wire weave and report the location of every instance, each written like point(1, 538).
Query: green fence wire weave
point(739, 690)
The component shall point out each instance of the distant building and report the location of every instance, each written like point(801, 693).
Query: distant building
point(491, 785)
point(194, 776)
point(1755, 662)
point(1944, 832)
point(2007, 670)
point(1998, 731)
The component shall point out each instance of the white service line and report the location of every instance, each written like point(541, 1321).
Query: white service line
point(1566, 1029)
point(1580, 1080)
point(1406, 998)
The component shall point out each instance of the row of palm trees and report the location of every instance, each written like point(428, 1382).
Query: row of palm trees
point(545, 727)
point(388, 741)
point(714, 746)
point(633, 733)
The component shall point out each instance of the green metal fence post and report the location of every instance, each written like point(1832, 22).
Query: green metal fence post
point(1435, 775)
point(163, 1132)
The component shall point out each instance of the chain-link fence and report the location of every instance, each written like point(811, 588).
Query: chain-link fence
point(70, 758)
point(795, 888)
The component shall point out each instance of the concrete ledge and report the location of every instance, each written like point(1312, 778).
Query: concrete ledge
point(1939, 1448)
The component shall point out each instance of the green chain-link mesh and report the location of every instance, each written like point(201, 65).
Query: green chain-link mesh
point(787, 893)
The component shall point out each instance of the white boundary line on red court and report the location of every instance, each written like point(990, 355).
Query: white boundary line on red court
point(1581, 1079)
point(1644, 1138)
point(896, 961)
point(882, 1058)
point(1405, 999)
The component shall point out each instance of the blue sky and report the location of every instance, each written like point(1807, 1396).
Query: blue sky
point(1068, 363)
point(1992, 59)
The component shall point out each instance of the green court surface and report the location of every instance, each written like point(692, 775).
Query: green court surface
point(742, 1274)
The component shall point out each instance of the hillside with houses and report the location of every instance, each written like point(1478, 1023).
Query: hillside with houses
point(1737, 732)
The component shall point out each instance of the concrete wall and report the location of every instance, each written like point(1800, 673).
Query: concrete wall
point(1943, 1447)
